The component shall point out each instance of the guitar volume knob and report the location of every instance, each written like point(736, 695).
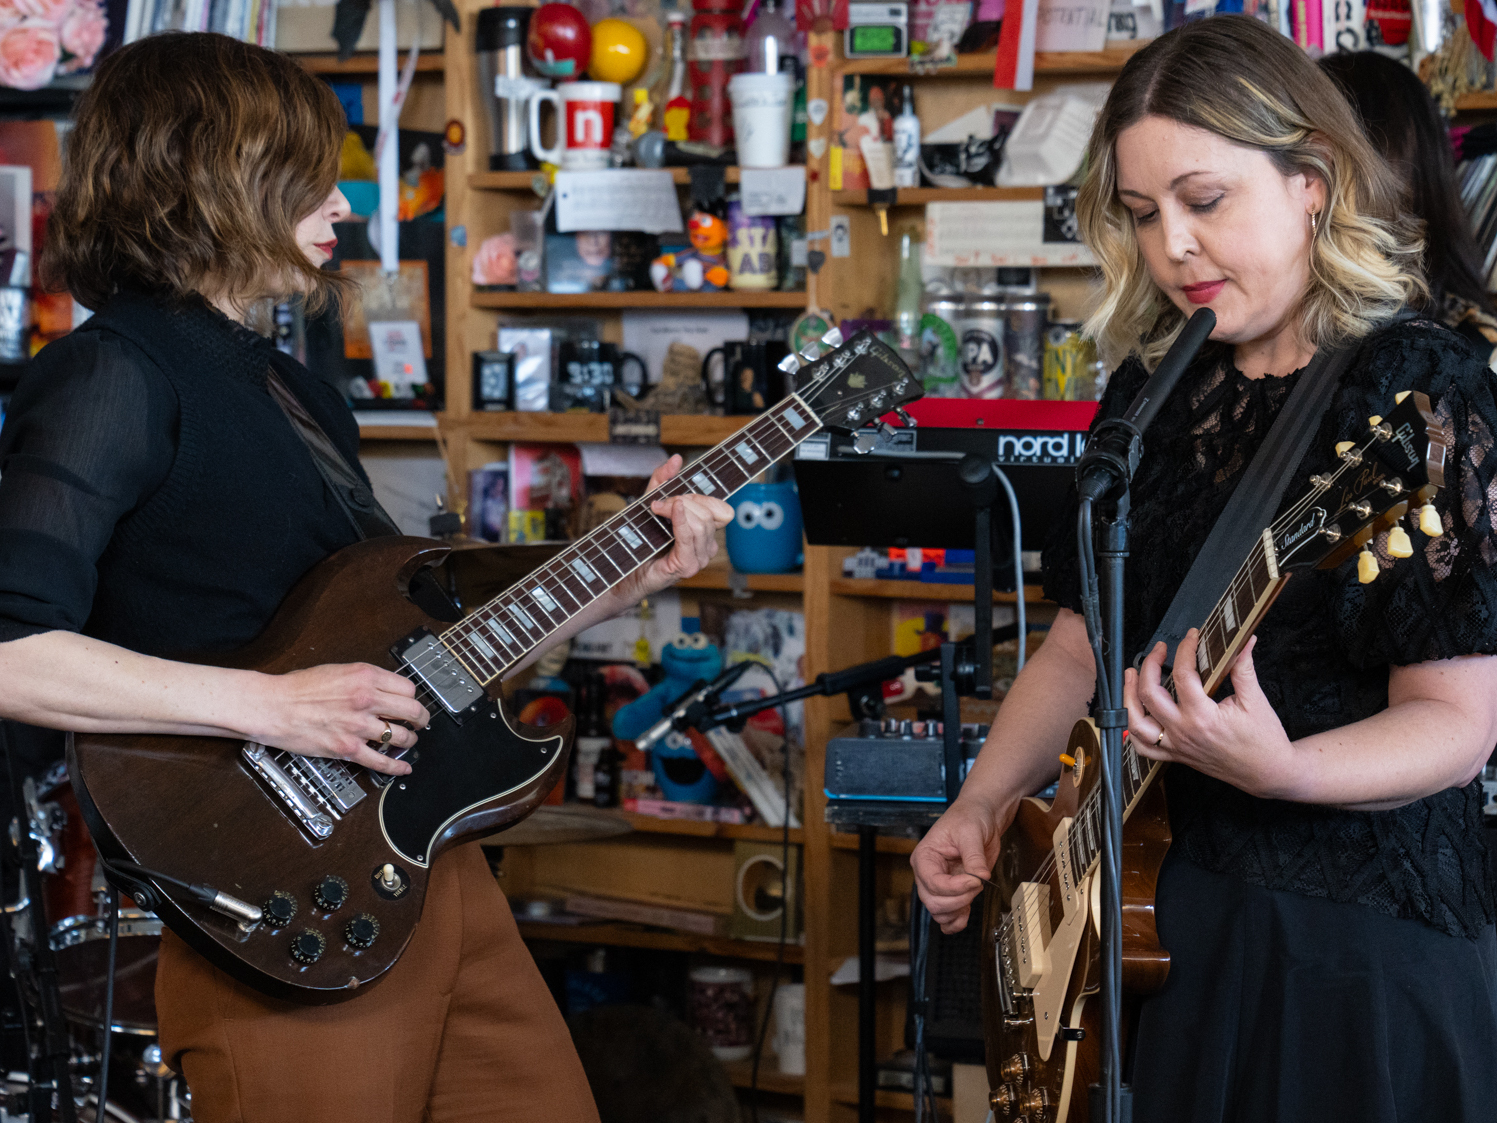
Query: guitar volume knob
point(279, 908)
point(361, 931)
point(307, 947)
point(331, 893)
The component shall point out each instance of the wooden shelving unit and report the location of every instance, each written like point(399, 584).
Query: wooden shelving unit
point(398, 432)
point(1102, 63)
point(587, 300)
point(922, 590)
point(919, 196)
point(521, 181)
point(771, 1079)
point(431, 62)
point(638, 936)
point(675, 429)
point(650, 824)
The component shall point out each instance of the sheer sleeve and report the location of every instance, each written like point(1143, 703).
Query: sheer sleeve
point(1059, 565)
point(1441, 602)
point(90, 434)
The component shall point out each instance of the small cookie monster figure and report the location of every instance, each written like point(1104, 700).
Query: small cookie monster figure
point(678, 770)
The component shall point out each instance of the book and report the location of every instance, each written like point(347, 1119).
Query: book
point(698, 812)
point(657, 916)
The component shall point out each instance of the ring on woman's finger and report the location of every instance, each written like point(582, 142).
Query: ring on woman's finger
point(384, 738)
point(1159, 740)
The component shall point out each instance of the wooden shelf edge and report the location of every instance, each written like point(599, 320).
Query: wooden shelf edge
point(635, 936)
point(397, 432)
point(884, 844)
point(1106, 61)
point(727, 299)
point(719, 577)
point(1477, 99)
point(924, 590)
point(694, 828)
point(675, 428)
point(428, 62)
point(520, 181)
point(771, 1079)
point(919, 196)
point(847, 1093)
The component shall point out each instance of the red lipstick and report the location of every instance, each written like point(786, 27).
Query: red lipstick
point(1204, 292)
point(327, 247)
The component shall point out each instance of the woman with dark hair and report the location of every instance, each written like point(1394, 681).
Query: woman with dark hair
point(1404, 125)
point(155, 500)
point(1327, 900)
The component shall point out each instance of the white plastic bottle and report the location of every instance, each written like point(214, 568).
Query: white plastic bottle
point(907, 143)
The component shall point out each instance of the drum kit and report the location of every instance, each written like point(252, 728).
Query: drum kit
point(62, 873)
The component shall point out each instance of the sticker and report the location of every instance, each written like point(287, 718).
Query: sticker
point(459, 236)
point(816, 109)
point(841, 236)
point(821, 54)
point(834, 169)
point(816, 146)
point(454, 137)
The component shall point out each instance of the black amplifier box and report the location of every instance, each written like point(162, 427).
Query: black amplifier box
point(898, 761)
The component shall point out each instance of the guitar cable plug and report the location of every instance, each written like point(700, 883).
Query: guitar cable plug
point(130, 878)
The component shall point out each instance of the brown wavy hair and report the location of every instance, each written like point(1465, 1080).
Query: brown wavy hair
point(1238, 78)
point(191, 160)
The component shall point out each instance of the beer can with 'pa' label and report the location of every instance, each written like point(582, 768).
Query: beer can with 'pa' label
point(982, 353)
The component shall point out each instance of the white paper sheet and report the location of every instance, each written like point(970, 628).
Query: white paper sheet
point(773, 190)
point(1072, 25)
point(989, 235)
point(618, 199)
point(632, 461)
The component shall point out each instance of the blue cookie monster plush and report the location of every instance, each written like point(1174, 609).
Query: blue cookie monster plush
point(678, 770)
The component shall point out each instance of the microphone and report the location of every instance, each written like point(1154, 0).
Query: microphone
point(1111, 456)
point(690, 705)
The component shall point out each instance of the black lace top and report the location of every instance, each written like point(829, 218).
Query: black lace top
point(1325, 648)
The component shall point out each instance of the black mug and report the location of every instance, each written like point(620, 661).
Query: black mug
point(588, 371)
point(748, 378)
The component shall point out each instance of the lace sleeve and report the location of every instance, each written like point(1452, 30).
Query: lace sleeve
point(1441, 602)
point(1062, 575)
point(90, 433)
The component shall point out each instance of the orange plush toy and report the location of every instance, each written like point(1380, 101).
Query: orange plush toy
point(703, 268)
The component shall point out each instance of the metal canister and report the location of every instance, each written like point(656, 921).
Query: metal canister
point(1024, 317)
point(940, 346)
point(981, 333)
point(1069, 363)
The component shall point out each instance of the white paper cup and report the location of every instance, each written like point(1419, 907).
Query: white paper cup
point(790, 1028)
point(761, 118)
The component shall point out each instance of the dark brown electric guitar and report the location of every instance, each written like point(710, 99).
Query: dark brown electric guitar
point(304, 878)
point(1041, 940)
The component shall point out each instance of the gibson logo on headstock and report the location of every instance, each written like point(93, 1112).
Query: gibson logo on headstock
point(1404, 438)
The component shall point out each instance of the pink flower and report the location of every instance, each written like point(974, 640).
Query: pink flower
point(10, 14)
point(494, 263)
point(28, 54)
point(83, 34)
point(53, 11)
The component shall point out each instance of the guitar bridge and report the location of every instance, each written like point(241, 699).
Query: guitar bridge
point(315, 792)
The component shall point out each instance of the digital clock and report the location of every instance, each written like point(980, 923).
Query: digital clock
point(877, 31)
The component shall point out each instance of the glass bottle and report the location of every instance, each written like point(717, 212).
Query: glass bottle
point(907, 298)
point(770, 41)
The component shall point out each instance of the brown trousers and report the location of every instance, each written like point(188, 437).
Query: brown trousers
point(461, 1029)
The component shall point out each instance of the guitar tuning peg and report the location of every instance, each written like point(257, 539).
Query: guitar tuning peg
point(1375, 420)
point(1400, 396)
point(790, 363)
point(1429, 521)
point(1399, 545)
point(1342, 446)
point(811, 352)
point(1367, 569)
point(904, 416)
point(833, 338)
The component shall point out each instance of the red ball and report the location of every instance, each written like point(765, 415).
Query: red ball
point(560, 42)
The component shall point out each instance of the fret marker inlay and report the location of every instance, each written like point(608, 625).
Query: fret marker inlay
point(523, 617)
point(794, 419)
point(745, 453)
point(582, 571)
point(626, 532)
point(543, 599)
point(479, 642)
point(703, 484)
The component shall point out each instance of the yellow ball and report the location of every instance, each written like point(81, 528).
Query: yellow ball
point(619, 52)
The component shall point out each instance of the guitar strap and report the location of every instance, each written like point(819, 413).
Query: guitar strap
point(352, 493)
point(1255, 501)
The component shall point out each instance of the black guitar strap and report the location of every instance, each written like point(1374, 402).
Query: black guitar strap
point(1256, 499)
point(353, 494)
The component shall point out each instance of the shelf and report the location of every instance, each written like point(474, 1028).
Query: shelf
point(649, 824)
point(919, 196)
point(884, 844)
point(719, 576)
point(923, 590)
point(1477, 99)
point(428, 62)
point(521, 181)
point(397, 432)
point(728, 299)
point(901, 1101)
point(675, 429)
point(636, 936)
point(1108, 61)
point(771, 1079)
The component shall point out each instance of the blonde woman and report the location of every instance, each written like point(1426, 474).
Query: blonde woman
point(1328, 900)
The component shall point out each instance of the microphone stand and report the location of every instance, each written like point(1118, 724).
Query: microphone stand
point(1103, 476)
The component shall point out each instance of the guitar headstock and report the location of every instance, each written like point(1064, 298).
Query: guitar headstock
point(1398, 464)
point(855, 382)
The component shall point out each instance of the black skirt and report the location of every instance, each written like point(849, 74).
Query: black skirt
point(1293, 1009)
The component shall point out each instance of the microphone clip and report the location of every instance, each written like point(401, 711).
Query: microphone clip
point(1111, 457)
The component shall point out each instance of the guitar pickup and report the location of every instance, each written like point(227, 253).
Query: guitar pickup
point(435, 667)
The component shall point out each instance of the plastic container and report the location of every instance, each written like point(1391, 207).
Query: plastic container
point(721, 1005)
point(761, 118)
point(765, 534)
point(714, 53)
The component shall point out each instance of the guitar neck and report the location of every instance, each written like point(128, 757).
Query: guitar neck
point(1225, 631)
point(524, 617)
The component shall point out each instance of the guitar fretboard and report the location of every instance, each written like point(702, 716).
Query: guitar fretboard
point(501, 633)
point(1224, 630)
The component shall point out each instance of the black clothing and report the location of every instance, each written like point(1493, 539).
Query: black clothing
point(1285, 1008)
point(152, 493)
point(1325, 648)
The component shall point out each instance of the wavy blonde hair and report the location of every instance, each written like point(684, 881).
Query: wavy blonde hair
point(1235, 77)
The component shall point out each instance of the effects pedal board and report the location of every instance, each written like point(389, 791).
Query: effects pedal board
point(894, 771)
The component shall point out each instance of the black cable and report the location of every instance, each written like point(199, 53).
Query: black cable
point(13, 963)
point(786, 892)
point(113, 902)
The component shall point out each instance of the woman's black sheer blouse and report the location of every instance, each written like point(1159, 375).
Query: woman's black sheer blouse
point(1325, 648)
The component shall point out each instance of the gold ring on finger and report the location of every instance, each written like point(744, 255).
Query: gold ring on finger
point(384, 738)
point(1159, 740)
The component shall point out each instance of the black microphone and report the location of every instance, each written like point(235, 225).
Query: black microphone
point(690, 707)
point(1112, 453)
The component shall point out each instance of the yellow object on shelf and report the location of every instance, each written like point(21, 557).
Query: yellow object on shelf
point(619, 52)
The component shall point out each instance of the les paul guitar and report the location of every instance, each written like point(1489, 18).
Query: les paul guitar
point(1041, 940)
point(304, 878)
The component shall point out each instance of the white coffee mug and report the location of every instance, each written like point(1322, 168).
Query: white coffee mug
point(584, 124)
